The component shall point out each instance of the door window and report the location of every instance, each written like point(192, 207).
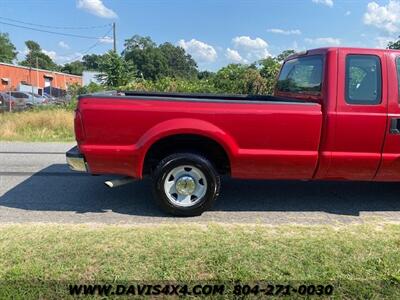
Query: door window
point(363, 79)
point(398, 73)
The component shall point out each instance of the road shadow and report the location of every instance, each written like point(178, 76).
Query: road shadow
point(55, 188)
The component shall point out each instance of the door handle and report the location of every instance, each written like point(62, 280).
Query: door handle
point(395, 126)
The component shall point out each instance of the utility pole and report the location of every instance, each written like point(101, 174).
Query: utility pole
point(9, 94)
point(114, 38)
point(37, 70)
point(31, 71)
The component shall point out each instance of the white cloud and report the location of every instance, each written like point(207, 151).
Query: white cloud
point(57, 58)
point(323, 41)
point(97, 8)
point(324, 2)
point(63, 44)
point(234, 56)
point(62, 59)
point(347, 13)
point(252, 49)
point(106, 40)
point(201, 52)
point(386, 17)
point(51, 53)
point(382, 41)
point(285, 32)
point(249, 43)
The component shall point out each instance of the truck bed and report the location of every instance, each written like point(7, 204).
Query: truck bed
point(264, 136)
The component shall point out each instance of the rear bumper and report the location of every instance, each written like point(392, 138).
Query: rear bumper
point(76, 160)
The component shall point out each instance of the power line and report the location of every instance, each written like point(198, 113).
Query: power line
point(52, 32)
point(56, 27)
point(95, 44)
point(83, 52)
point(98, 39)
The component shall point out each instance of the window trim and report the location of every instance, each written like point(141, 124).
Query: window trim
point(318, 94)
point(347, 81)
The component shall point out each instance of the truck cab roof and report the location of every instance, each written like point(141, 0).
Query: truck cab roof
point(324, 50)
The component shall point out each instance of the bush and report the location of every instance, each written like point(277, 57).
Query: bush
point(168, 84)
point(74, 90)
point(241, 79)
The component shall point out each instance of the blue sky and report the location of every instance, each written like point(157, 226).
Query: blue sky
point(215, 32)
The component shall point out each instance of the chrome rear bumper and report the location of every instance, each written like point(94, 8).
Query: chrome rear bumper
point(76, 160)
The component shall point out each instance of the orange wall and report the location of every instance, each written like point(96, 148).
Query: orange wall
point(35, 78)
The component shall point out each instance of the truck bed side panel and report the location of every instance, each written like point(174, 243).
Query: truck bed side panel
point(265, 140)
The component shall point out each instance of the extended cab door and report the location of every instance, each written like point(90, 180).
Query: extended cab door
point(390, 166)
point(361, 115)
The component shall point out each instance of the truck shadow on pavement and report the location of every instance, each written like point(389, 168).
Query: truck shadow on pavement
point(57, 189)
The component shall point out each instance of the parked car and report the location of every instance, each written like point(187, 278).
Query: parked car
point(49, 98)
point(335, 115)
point(38, 99)
point(31, 99)
point(25, 96)
point(10, 103)
point(57, 101)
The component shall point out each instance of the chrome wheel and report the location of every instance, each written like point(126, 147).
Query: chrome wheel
point(185, 185)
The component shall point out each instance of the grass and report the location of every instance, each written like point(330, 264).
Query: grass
point(50, 125)
point(361, 261)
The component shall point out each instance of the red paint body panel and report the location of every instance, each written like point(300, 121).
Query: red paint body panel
point(262, 140)
point(359, 129)
point(390, 165)
point(312, 138)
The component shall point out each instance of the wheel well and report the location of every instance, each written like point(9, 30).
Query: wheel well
point(187, 143)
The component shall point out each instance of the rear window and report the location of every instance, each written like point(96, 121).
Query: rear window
point(19, 95)
point(363, 79)
point(301, 75)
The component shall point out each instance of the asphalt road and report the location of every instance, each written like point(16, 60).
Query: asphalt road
point(37, 186)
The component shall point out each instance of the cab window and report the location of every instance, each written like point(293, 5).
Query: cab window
point(301, 75)
point(363, 79)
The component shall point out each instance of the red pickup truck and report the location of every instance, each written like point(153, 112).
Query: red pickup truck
point(335, 115)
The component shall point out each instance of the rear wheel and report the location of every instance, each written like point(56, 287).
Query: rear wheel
point(185, 184)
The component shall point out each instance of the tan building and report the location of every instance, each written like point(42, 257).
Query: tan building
point(15, 77)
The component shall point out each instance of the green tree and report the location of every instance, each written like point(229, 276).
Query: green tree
point(270, 66)
point(168, 84)
point(394, 45)
point(91, 62)
point(115, 71)
point(147, 58)
point(179, 63)
point(75, 68)
point(205, 75)
point(154, 62)
point(269, 70)
point(240, 79)
point(76, 89)
point(228, 79)
point(35, 57)
point(285, 54)
point(7, 49)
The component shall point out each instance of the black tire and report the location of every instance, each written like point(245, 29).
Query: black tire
point(181, 159)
